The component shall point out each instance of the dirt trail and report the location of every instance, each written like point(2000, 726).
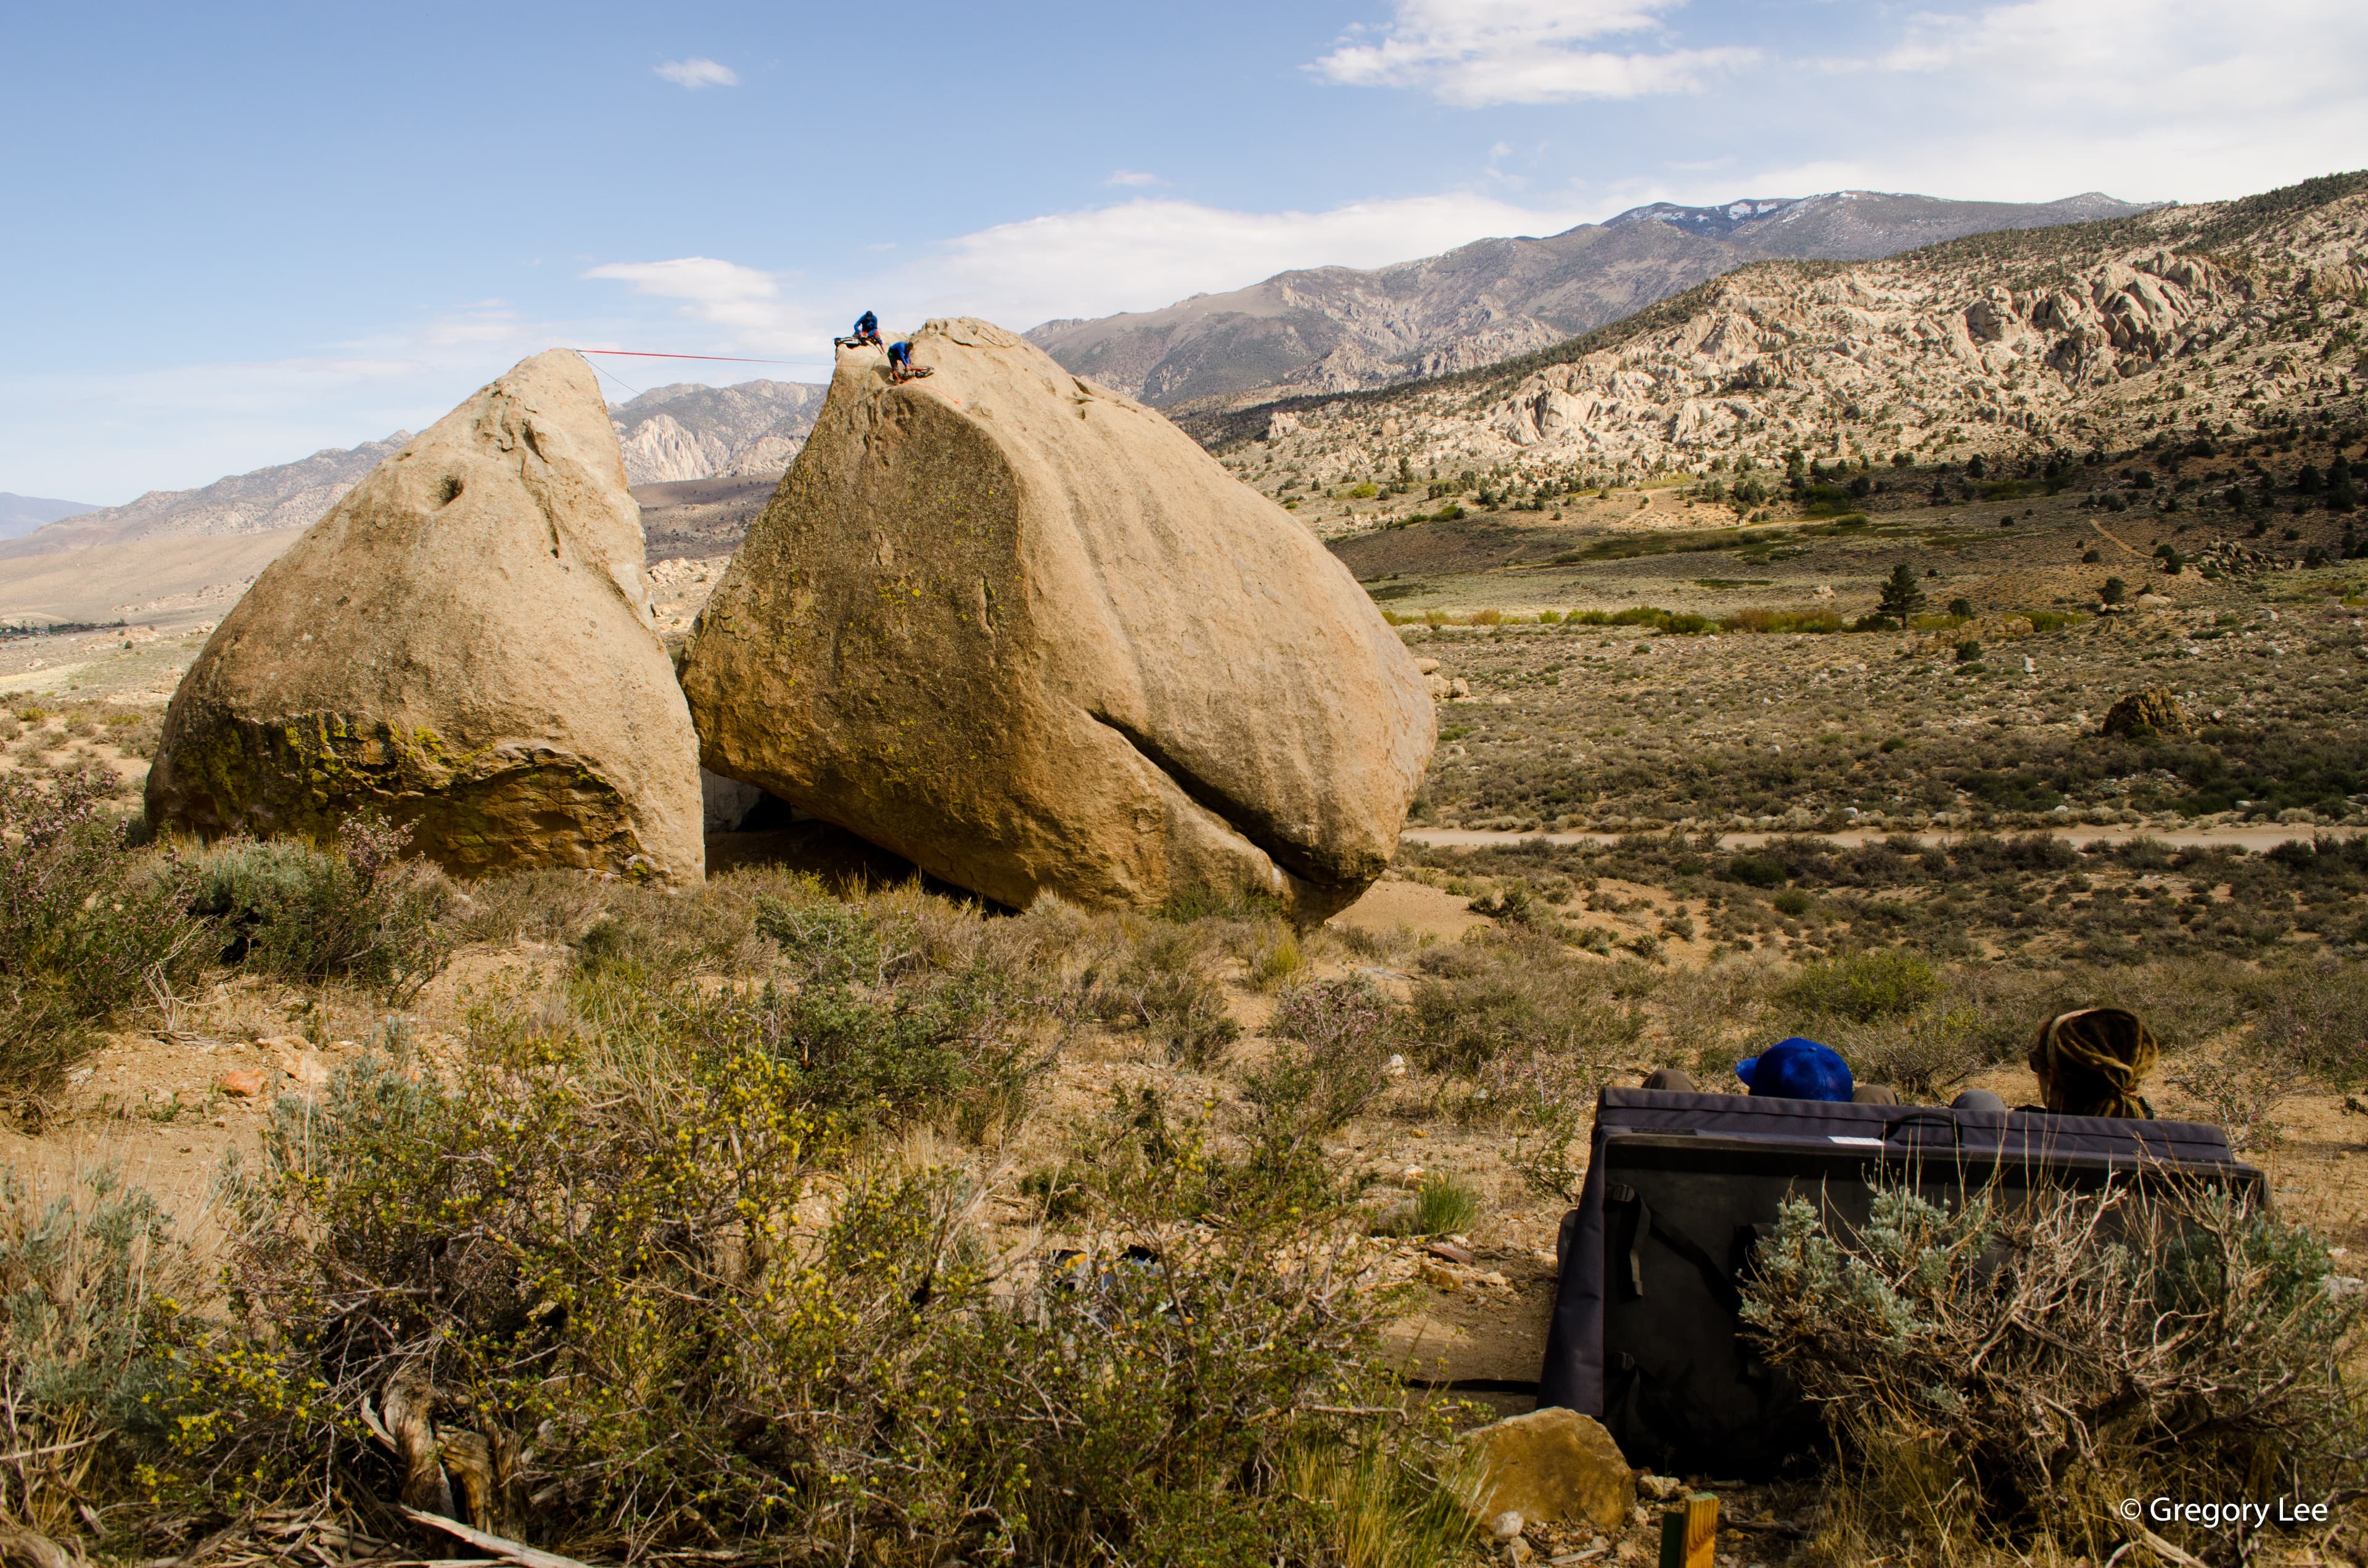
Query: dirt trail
point(2134, 553)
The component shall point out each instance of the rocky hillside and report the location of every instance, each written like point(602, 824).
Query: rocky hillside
point(694, 432)
point(1334, 328)
point(285, 495)
point(674, 433)
point(2239, 313)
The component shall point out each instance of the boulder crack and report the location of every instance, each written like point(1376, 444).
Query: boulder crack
point(1248, 821)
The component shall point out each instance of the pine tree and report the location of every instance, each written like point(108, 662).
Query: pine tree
point(1902, 595)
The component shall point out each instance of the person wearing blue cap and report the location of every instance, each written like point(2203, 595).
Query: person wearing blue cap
point(1796, 1068)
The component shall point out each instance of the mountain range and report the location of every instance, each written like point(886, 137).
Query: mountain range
point(1338, 328)
point(284, 495)
point(2199, 319)
point(686, 431)
point(23, 514)
point(672, 433)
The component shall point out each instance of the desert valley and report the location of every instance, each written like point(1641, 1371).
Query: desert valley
point(1023, 964)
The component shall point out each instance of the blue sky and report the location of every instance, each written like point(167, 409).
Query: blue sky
point(238, 233)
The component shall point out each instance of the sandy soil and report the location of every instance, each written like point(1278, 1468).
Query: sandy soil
point(168, 583)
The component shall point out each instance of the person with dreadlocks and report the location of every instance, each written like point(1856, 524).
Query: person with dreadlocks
point(2091, 1063)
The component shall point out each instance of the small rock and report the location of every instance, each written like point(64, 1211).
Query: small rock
point(1451, 1252)
point(1660, 1488)
point(2151, 712)
point(240, 1083)
point(1506, 1525)
point(1517, 1551)
point(307, 1068)
point(1552, 1464)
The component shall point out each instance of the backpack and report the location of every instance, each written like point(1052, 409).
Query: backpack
point(1680, 1189)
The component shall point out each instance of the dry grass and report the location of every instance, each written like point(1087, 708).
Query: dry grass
point(2002, 1375)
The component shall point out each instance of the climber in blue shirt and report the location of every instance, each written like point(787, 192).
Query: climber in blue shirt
point(867, 331)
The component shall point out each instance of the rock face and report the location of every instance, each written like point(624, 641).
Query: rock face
point(1025, 634)
point(1552, 1464)
point(464, 643)
point(682, 432)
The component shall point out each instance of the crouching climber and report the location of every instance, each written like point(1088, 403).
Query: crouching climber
point(900, 363)
point(2091, 1063)
point(865, 333)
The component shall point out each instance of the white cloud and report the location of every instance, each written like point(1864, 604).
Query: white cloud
point(1148, 253)
point(2186, 99)
point(745, 301)
point(698, 278)
point(488, 321)
point(1472, 54)
point(1135, 256)
point(1131, 176)
point(697, 73)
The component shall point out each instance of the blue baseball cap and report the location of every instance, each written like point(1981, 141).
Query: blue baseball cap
point(1796, 1068)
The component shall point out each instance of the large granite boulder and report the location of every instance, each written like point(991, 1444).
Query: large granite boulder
point(1024, 632)
point(464, 644)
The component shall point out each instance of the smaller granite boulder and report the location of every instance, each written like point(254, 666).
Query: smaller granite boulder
point(1552, 1464)
point(463, 645)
